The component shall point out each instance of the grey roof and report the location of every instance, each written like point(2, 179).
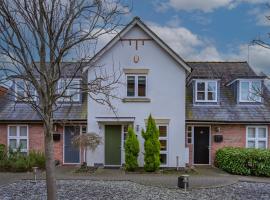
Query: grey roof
point(227, 109)
point(12, 111)
point(226, 71)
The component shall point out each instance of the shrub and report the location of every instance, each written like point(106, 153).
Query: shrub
point(36, 159)
point(244, 161)
point(151, 146)
point(3, 151)
point(21, 164)
point(132, 150)
point(15, 161)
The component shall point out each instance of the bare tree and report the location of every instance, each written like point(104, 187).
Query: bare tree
point(36, 36)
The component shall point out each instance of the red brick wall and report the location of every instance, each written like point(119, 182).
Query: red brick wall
point(3, 134)
point(233, 136)
point(58, 146)
point(36, 139)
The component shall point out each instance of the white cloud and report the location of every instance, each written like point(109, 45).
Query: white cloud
point(187, 44)
point(203, 5)
point(194, 48)
point(260, 16)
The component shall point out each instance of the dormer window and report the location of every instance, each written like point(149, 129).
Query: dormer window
point(250, 91)
point(69, 89)
point(206, 91)
point(24, 91)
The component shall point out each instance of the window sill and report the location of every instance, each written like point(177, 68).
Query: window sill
point(139, 100)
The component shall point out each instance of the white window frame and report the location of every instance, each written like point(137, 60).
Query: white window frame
point(72, 99)
point(137, 86)
point(249, 90)
point(25, 96)
point(257, 139)
point(167, 142)
point(205, 90)
point(18, 137)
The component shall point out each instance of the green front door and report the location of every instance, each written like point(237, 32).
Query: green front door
point(113, 145)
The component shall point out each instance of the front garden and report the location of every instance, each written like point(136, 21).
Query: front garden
point(15, 161)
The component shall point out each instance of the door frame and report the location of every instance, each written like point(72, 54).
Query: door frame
point(66, 163)
point(121, 137)
point(210, 144)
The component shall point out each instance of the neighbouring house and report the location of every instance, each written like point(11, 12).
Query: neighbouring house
point(21, 125)
point(227, 104)
point(198, 106)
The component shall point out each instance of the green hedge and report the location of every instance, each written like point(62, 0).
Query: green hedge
point(244, 161)
point(14, 161)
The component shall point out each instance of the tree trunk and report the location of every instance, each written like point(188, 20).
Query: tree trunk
point(50, 164)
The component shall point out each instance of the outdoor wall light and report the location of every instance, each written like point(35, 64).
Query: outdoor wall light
point(217, 129)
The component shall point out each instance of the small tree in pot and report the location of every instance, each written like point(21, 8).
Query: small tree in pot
point(87, 141)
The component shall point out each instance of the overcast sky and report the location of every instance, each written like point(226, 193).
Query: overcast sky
point(210, 30)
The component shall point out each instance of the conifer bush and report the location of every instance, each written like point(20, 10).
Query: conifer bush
point(132, 149)
point(151, 146)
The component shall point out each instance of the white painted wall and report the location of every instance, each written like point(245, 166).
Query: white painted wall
point(166, 89)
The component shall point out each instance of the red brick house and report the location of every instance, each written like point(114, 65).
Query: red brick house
point(226, 105)
point(21, 125)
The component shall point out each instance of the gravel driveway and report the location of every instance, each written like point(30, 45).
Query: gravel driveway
point(87, 189)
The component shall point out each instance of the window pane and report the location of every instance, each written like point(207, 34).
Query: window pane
point(23, 131)
point(84, 129)
point(163, 159)
point(212, 86)
point(131, 86)
point(261, 144)
point(141, 86)
point(162, 131)
point(189, 128)
point(12, 131)
point(20, 88)
point(189, 140)
point(12, 143)
point(163, 145)
point(245, 91)
point(189, 134)
point(262, 133)
point(23, 143)
point(251, 144)
point(200, 96)
point(211, 96)
point(256, 86)
point(200, 86)
point(251, 132)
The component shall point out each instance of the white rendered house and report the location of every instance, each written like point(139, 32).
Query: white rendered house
point(153, 81)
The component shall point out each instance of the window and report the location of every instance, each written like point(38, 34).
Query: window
point(189, 134)
point(24, 91)
point(18, 137)
point(163, 139)
point(250, 91)
point(136, 86)
point(206, 91)
point(70, 89)
point(257, 137)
